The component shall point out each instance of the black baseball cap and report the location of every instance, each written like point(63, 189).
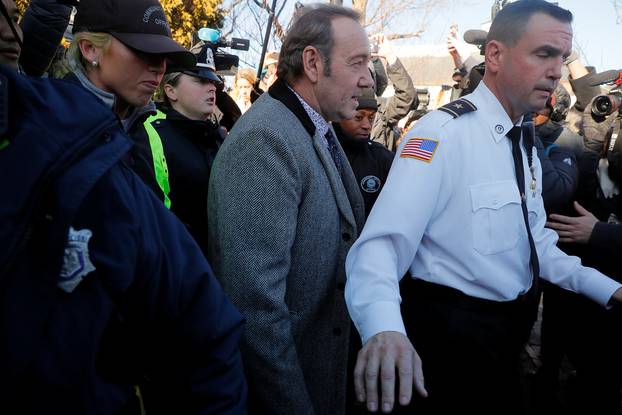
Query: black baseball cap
point(138, 24)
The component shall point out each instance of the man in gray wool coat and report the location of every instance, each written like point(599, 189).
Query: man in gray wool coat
point(284, 209)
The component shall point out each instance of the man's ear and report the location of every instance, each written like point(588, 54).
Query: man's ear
point(171, 93)
point(495, 53)
point(312, 63)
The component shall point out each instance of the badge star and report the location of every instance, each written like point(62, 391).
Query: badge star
point(458, 106)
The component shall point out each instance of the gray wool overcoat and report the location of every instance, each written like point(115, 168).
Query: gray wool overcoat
point(281, 221)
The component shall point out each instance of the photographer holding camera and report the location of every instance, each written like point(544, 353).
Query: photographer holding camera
point(391, 110)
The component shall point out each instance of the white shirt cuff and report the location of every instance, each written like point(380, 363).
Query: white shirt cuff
point(599, 288)
point(378, 317)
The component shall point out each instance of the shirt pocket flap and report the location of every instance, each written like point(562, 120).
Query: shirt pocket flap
point(494, 195)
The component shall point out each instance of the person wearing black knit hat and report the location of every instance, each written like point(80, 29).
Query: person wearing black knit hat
point(369, 160)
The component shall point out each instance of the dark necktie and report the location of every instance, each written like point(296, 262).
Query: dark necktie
point(334, 151)
point(514, 135)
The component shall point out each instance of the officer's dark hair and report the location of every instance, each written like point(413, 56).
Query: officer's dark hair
point(313, 27)
point(511, 22)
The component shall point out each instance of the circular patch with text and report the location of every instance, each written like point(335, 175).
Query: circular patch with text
point(370, 184)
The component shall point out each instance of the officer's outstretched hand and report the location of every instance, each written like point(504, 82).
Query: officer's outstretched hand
point(377, 363)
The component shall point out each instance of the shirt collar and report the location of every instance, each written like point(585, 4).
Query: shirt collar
point(321, 125)
point(493, 112)
point(106, 97)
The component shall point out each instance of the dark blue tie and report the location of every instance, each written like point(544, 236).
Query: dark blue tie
point(334, 151)
point(514, 135)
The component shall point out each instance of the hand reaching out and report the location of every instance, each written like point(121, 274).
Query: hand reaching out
point(573, 229)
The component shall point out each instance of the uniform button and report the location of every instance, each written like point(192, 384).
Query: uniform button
point(341, 286)
point(157, 122)
point(337, 331)
point(346, 236)
point(49, 217)
point(107, 137)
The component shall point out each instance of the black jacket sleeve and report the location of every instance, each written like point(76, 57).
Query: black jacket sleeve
point(229, 109)
point(560, 176)
point(405, 97)
point(607, 237)
point(43, 25)
point(583, 91)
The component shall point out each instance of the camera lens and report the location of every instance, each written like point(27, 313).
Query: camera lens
point(604, 105)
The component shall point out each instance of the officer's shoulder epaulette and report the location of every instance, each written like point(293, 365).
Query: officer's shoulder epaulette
point(458, 107)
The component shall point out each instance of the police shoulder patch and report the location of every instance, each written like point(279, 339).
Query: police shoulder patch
point(76, 262)
point(420, 148)
point(458, 107)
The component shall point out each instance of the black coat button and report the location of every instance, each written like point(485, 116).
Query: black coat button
point(346, 236)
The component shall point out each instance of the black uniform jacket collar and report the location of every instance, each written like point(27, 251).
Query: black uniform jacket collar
point(195, 130)
point(281, 92)
point(348, 142)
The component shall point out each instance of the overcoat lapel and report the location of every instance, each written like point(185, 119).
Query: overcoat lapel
point(336, 184)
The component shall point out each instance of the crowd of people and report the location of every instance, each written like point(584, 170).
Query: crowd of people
point(289, 247)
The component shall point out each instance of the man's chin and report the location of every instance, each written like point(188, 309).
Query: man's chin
point(346, 115)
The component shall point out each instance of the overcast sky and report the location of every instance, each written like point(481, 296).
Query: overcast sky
point(596, 31)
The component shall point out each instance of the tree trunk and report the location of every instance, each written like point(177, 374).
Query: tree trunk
point(360, 6)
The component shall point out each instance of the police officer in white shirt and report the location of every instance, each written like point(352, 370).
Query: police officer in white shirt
point(454, 212)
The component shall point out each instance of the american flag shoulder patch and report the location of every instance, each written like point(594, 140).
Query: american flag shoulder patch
point(420, 149)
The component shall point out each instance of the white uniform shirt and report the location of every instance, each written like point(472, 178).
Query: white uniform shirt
point(457, 221)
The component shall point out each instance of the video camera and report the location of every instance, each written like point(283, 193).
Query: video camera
point(606, 104)
point(226, 63)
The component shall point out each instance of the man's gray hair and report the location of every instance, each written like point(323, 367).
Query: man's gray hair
point(511, 22)
point(312, 27)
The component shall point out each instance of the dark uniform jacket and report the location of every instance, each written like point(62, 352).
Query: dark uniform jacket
point(101, 288)
point(370, 163)
point(189, 147)
point(560, 174)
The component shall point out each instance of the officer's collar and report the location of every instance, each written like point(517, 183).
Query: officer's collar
point(489, 106)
